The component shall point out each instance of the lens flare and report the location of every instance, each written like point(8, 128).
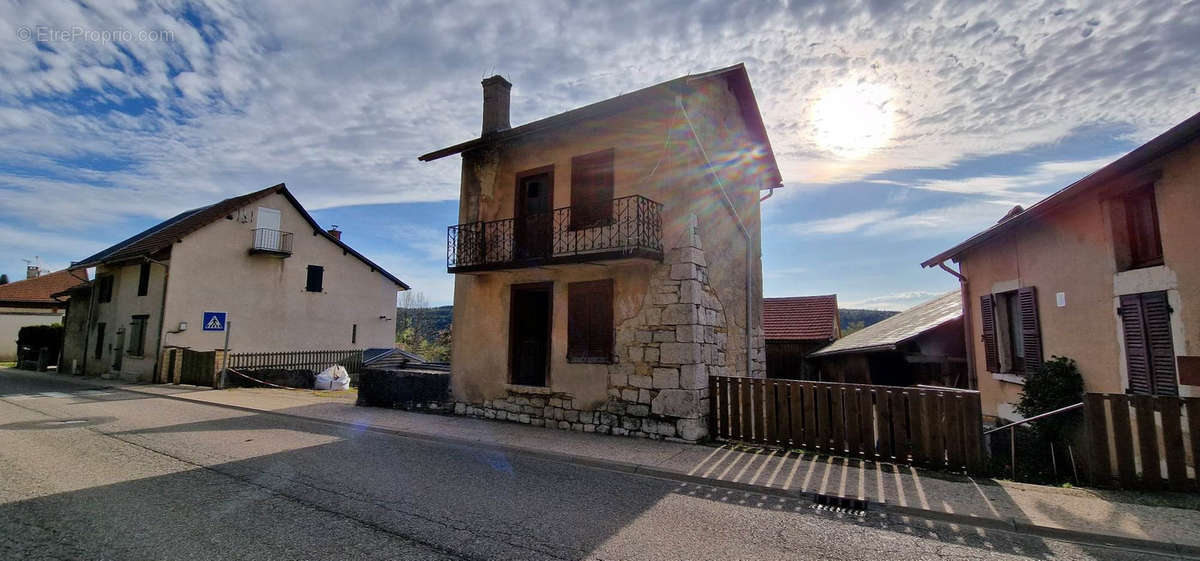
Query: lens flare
point(853, 119)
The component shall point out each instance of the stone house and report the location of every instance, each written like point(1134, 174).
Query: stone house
point(284, 283)
point(607, 259)
point(1105, 272)
point(794, 328)
point(31, 302)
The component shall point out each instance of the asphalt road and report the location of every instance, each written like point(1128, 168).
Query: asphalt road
point(107, 474)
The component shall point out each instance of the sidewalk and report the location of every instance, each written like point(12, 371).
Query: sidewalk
point(1084, 515)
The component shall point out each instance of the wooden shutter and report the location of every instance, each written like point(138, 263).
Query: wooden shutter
point(1031, 332)
point(1157, 314)
point(577, 321)
point(315, 280)
point(591, 189)
point(987, 313)
point(590, 321)
point(1137, 353)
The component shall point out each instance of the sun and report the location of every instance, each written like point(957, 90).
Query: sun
point(853, 119)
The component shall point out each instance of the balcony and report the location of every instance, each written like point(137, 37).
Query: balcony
point(627, 228)
point(271, 242)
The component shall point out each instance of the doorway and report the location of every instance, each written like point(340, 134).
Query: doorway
point(531, 308)
point(534, 213)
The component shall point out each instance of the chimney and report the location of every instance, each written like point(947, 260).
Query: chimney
point(495, 104)
point(337, 234)
point(32, 272)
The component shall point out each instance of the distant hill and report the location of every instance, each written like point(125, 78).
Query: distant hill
point(429, 321)
point(852, 319)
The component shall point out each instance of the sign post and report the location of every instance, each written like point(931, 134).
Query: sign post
point(225, 357)
point(219, 321)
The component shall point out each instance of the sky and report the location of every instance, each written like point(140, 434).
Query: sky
point(901, 128)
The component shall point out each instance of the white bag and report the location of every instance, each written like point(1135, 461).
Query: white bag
point(333, 378)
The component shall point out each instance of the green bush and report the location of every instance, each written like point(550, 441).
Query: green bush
point(1056, 385)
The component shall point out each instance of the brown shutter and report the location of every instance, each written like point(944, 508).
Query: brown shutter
point(577, 321)
point(1162, 350)
point(1031, 331)
point(1137, 353)
point(600, 336)
point(591, 189)
point(987, 313)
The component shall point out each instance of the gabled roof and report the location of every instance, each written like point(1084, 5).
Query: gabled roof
point(162, 235)
point(1125, 166)
point(736, 75)
point(39, 290)
point(806, 318)
point(888, 334)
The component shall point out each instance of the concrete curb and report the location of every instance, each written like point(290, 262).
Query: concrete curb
point(1007, 525)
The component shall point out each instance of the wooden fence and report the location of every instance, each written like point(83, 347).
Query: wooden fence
point(196, 367)
point(939, 428)
point(1142, 441)
point(313, 361)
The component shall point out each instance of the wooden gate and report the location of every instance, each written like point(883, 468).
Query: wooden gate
point(1142, 441)
point(198, 367)
point(935, 427)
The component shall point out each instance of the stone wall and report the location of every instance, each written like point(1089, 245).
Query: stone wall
point(658, 384)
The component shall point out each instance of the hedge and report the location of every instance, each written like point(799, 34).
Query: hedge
point(402, 389)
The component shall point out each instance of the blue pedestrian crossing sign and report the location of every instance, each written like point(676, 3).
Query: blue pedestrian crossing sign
point(214, 321)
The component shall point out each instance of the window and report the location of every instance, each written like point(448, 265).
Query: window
point(144, 279)
point(591, 190)
point(137, 335)
point(1012, 338)
point(590, 321)
point(99, 339)
point(1149, 349)
point(354, 334)
point(106, 288)
point(316, 276)
point(1136, 237)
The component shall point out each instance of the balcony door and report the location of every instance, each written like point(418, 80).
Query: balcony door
point(266, 233)
point(533, 228)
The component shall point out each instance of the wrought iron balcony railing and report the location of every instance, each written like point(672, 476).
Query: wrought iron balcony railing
point(628, 227)
point(273, 242)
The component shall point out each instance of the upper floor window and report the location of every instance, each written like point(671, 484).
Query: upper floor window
point(1136, 237)
point(105, 289)
point(591, 189)
point(316, 278)
point(144, 279)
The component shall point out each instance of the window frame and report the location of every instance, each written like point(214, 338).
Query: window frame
point(144, 279)
point(590, 194)
point(105, 289)
point(319, 286)
point(597, 331)
point(1141, 221)
point(137, 335)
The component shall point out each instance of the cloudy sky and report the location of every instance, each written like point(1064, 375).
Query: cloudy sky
point(900, 128)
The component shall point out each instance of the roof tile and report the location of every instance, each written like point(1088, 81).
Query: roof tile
point(40, 289)
point(800, 317)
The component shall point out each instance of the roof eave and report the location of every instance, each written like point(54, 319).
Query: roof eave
point(1176, 136)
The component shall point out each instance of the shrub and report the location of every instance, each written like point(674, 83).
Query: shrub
point(402, 389)
point(1056, 385)
point(36, 337)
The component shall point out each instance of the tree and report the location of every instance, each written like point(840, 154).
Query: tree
point(3, 279)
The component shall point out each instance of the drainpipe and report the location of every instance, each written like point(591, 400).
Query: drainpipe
point(162, 313)
point(741, 227)
point(972, 383)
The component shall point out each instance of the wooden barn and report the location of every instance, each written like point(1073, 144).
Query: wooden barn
point(795, 327)
point(923, 345)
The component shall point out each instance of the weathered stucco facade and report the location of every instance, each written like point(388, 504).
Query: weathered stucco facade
point(264, 295)
point(1072, 256)
point(676, 319)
